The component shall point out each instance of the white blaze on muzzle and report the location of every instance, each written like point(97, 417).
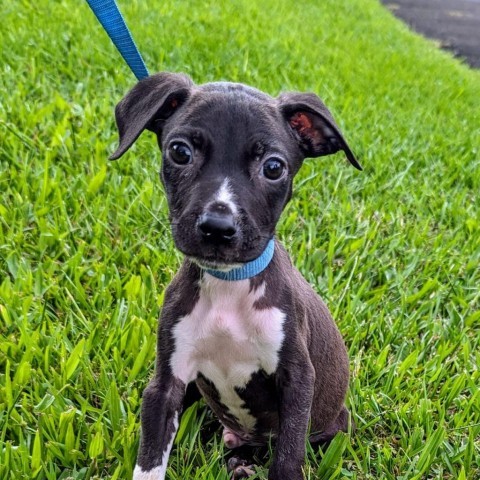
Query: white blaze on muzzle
point(226, 196)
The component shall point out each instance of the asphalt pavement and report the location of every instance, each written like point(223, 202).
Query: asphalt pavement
point(454, 23)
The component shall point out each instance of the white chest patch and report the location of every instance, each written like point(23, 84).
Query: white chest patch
point(226, 339)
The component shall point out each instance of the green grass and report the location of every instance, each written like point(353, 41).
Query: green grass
point(85, 249)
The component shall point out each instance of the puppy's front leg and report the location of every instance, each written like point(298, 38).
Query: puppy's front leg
point(296, 379)
point(161, 410)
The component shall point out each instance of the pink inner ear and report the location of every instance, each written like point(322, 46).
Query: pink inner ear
point(300, 122)
point(303, 124)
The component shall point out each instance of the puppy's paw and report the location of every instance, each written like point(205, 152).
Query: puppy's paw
point(157, 473)
point(239, 468)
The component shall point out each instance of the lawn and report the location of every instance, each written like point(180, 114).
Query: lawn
point(86, 252)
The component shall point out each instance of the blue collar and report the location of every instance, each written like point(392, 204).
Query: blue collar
point(247, 270)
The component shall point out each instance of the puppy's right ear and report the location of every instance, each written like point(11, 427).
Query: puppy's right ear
point(150, 102)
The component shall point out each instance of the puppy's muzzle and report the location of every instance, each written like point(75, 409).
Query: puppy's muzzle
point(217, 224)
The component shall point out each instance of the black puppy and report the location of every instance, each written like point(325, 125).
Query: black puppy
point(239, 320)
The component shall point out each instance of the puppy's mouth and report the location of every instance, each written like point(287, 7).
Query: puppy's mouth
point(214, 252)
point(214, 265)
point(224, 257)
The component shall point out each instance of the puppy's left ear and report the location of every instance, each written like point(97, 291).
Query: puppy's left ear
point(148, 105)
point(313, 126)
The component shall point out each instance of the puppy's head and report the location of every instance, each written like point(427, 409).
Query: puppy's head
point(230, 153)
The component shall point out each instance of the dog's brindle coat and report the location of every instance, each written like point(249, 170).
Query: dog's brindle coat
point(264, 351)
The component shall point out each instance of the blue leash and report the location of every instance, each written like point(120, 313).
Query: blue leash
point(112, 21)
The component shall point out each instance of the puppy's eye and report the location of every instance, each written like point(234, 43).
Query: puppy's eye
point(180, 153)
point(273, 169)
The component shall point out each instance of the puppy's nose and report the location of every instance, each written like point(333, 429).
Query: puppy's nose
point(217, 225)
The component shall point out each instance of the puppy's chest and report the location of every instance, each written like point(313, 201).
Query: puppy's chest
point(227, 337)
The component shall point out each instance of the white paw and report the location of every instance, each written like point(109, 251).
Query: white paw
point(157, 473)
